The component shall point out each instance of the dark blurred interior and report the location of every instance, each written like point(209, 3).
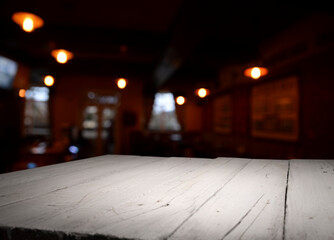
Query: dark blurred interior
point(162, 48)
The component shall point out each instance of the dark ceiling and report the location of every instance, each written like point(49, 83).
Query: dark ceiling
point(159, 40)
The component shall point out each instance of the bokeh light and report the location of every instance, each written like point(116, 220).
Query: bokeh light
point(28, 24)
point(27, 21)
point(121, 83)
point(180, 100)
point(22, 93)
point(62, 55)
point(49, 80)
point(202, 92)
point(256, 72)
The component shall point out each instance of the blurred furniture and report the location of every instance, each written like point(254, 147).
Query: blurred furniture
point(38, 152)
point(132, 197)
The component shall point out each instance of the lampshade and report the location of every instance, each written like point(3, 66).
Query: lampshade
point(62, 55)
point(256, 72)
point(27, 21)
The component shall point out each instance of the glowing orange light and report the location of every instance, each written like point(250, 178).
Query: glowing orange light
point(180, 100)
point(256, 72)
point(27, 21)
point(28, 24)
point(22, 93)
point(121, 83)
point(202, 92)
point(49, 80)
point(62, 55)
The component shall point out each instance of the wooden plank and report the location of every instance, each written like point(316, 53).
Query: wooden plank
point(39, 173)
point(142, 203)
point(310, 200)
point(249, 206)
point(29, 184)
point(76, 190)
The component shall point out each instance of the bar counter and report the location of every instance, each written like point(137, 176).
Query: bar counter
point(137, 197)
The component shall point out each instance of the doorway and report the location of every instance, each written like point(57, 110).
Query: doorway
point(99, 120)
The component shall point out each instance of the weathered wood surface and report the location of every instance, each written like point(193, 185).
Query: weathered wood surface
point(249, 206)
point(132, 197)
point(310, 200)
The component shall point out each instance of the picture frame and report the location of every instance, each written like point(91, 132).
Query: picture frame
point(275, 110)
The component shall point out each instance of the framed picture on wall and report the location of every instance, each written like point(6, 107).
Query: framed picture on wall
point(222, 114)
point(275, 110)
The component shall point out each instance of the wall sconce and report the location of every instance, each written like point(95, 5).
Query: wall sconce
point(202, 92)
point(62, 55)
point(27, 21)
point(49, 80)
point(256, 72)
point(180, 100)
point(121, 83)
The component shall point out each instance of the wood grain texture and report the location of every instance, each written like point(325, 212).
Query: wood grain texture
point(146, 202)
point(133, 197)
point(310, 200)
point(29, 184)
point(249, 206)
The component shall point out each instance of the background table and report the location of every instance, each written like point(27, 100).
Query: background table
point(132, 197)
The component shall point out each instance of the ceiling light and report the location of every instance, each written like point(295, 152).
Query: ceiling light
point(27, 21)
point(121, 83)
point(49, 80)
point(256, 72)
point(180, 100)
point(202, 92)
point(62, 55)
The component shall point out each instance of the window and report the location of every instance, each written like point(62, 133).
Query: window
point(99, 114)
point(90, 122)
point(36, 114)
point(163, 113)
point(8, 70)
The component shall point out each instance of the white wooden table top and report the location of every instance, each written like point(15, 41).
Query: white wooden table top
point(132, 197)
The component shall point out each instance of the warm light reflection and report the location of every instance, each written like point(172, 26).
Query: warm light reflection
point(202, 92)
point(22, 93)
point(27, 21)
point(121, 83)
point(256, 72)
point(49, 80)
point(180, 100)
point(61, 55)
